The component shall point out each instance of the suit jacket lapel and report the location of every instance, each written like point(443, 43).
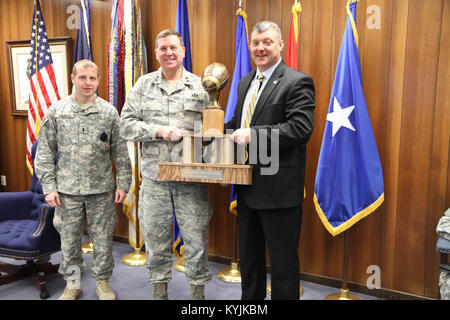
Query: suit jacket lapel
point(270, 86)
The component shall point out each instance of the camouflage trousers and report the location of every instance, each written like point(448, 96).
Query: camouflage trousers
point(100, 211)
point(444, 285)
point(157, 203)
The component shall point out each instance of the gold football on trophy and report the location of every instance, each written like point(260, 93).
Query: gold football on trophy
point(214, 79)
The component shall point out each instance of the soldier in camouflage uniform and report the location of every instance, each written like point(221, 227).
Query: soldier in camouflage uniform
point(158, 109)
point(84, 130)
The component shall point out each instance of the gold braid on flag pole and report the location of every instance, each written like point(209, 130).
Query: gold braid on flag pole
point(175, 251)
point(296, 9)
point(86, 27)
point(352, 21)
point(244, 16)
point(30, 168)
point(128, 209)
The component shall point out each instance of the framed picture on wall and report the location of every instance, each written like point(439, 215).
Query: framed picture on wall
point(18, 53)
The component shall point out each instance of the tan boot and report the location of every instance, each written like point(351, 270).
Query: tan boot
point(197, 292)
point(104, 291)
point(159, 291)
point(71, 292)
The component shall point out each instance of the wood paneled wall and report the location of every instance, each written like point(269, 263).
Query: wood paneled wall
point(405, 69)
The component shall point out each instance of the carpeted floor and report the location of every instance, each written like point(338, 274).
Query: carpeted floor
point(130, 283)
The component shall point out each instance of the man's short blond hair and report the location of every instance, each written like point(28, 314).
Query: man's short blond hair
point(85, 63)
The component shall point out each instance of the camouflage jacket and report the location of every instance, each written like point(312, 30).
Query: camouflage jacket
point(151, 104)
point(86, 141)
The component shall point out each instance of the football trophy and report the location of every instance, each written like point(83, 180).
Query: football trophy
point(214, 162)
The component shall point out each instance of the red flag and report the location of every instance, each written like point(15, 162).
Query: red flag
point(291, 54)
point(43, 88)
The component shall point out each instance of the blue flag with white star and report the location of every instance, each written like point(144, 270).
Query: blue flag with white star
point(349, 178)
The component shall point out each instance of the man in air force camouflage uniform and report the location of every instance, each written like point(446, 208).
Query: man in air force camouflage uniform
point(84, 130)
point(158, 109)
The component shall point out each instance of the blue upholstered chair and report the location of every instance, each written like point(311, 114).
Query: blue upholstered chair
point(443, 244)
point(443, 247)
point(27, 233)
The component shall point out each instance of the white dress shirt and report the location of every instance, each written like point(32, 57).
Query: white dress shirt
point(254, 84)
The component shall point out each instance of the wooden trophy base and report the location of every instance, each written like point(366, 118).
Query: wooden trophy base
point(221, 168)
point(206, 172)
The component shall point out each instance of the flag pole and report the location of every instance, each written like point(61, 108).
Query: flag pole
point(344, 292)
point(136, 258)
point(136, 190)
point(232, 274)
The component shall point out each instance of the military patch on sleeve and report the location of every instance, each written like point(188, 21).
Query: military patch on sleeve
point(103, 137)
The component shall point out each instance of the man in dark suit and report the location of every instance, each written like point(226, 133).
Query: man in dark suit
point(273, 115)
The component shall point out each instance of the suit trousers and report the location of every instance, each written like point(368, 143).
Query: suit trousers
point(280, 230)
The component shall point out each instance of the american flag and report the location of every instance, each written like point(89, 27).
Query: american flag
point(43, 88)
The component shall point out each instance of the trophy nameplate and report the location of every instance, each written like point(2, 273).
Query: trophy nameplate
point(201, 174)
point(219, 166)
